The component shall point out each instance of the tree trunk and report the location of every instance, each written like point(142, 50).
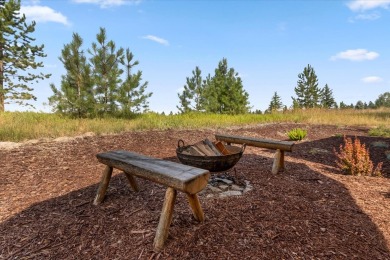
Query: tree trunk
point(2, 98)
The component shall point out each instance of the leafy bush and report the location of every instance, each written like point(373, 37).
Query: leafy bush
point(297, 134)
point(354, 159)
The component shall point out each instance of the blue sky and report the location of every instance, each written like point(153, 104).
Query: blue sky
point(267, 42)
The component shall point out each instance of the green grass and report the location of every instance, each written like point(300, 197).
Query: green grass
point(381, 131)
point(20, 126)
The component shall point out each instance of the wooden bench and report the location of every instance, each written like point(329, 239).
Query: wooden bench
point(175, 176)
point(279, 146)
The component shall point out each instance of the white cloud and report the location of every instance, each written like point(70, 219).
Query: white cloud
point(372, 79)
point(363, 5)
point(371, 17)
point(43, 14)
point(355, 55)
point(156, 39)
point(107, 3)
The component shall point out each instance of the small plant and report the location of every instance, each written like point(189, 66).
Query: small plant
point(380, 131)
point(354, 159)
point(297, 134)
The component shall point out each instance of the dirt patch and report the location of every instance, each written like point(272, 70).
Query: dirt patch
point(309, 211)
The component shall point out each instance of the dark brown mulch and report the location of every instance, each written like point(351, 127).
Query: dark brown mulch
point(309, 211)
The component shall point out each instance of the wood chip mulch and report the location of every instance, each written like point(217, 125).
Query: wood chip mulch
point(310, 211)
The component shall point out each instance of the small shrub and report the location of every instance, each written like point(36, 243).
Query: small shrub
point(297, 134)
point(380, 131)
point(354, 159)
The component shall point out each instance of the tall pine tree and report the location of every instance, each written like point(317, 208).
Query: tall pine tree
point(307, 90)
point(224, 92)
point(191, 97)
point(75, 97)
point(275, 104)
point(132, 96)
point(327, 99)
point(106, 72)
point(17, 56)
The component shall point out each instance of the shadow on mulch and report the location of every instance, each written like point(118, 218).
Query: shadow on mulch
point(298, 214)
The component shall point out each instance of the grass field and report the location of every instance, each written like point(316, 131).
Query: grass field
point(20, 126)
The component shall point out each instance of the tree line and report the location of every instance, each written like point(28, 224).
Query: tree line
point(101, 80)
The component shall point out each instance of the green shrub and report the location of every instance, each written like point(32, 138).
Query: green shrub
point(380, 131)
point(297, 134)
point(354, 159)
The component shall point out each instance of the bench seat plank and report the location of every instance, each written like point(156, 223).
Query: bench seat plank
point(257, 142)
point(178, 176)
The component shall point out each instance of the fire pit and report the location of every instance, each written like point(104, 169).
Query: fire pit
point(214, 157)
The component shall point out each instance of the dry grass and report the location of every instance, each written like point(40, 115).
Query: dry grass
point(20, 126)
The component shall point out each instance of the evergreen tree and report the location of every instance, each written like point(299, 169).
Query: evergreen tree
point(106, 72)
point(275, 104)
point(359, 105)
point(371, 105)
point(132, 96)
point(190, 98)
point(327, 100)
point(383, 100)
point(343, 105)
point(307, 90)
point(224, 92)
point(17, 56)
point(75, 97)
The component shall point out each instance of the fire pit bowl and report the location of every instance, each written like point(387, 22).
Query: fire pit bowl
point(215, 163)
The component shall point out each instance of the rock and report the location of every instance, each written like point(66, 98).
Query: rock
point(228, 182)
point(323, 229)
point(248, 188)
point(9, 145)
point(223, 187)
point(387, 155)
point(230, 193)
point(380, 144)
point(214, 189)
point(236, 187)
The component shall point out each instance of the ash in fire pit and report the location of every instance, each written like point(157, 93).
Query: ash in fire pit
point(224, 185)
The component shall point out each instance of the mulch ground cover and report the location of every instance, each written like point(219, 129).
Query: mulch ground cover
point(310, 211)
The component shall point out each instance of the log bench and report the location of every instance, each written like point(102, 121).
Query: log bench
point(175, 176)
point(279, 146)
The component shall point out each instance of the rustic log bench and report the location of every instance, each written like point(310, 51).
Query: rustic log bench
point(279, 146)
point(175, 176)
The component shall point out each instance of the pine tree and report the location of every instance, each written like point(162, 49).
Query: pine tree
point(75, 97)
point(106, 72)
point(224, 92)
point(359, 105)
point(17, 56)
point(132, 96)
point(191, 97)
point(383, 100)
point(327, 99)
point(275, 104)
point(371, 105)
point(307, 90)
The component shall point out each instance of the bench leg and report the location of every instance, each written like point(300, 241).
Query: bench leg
point(106, 176)
point(132, 181)
point(278, 164)
point(165, 219)
point(196, 207)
